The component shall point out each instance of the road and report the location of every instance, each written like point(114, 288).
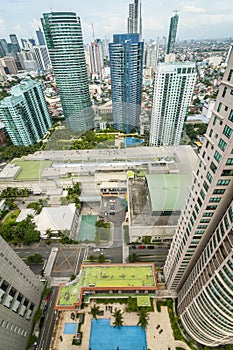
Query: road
point(46, 332)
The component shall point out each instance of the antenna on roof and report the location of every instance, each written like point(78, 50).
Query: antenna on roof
point(93, 33)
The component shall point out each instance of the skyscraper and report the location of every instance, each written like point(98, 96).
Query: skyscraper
point(63, 35)
point(42, 57)
point(40, 37)
point(199, 265)
point(96, 58)
point(25, 113)
point(20, 293)
point(126, 65)
point(135, 18)
point(173, 89)
point(172, 34)
point(14, 41)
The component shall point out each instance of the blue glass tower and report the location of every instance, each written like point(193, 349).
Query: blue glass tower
point(126, 65)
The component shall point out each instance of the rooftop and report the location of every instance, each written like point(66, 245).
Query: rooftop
point(168, 191)
point(108, 277)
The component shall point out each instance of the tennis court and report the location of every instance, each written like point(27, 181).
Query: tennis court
point(87, 228)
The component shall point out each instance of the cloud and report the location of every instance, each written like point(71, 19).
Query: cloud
point(2, 27)
point(193, 9)
point(19, 30)
point(35, 24)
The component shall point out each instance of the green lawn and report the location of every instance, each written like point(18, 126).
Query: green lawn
point(12, 217)
point(31, 169)
point(107, 276)
point(143, 300)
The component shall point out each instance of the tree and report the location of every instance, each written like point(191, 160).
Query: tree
point(101, 258)
point(143, 318)
point(95, 311)
point(132, 258)
point(118, 322)
point(91, 258)
point(35, 259)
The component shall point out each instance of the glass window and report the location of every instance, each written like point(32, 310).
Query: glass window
point(223, 182)
point(211, 207)
point(215, 199)
point(229, 161)
point(219, 108)
point(209, 177)
point(213, 167)
point(218, 191)
point(224, 91)
point(227, 132)
point(230, 75)
point(231, 115)
point(222, 145)
point(217, 156)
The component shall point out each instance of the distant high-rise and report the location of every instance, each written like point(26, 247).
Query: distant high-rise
point(14, 41)
point(25, 113)
point(63, 35)
point(199, 265)
point(20, 294)
point(96, 58)
point(173, 89)
point(40, 37)
point(42, 57)
point(135, 18)
point(126, 65)
point(172, 34)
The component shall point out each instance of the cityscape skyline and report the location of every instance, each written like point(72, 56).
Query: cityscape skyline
point(111, 18)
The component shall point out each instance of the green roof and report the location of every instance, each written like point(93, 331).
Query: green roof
point(168, 191)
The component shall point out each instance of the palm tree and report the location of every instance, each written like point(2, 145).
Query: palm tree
point(95, 311)
point(143, 318)
point(118, 318)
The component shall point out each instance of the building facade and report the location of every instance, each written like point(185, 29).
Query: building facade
point(25, 113)
point(173, 89)
point(40, 37)
point(96, 58)
point(199, 265)
point(63, 35)
point(126, 65)
point(20, 293)
point(42, 57)
point(135, 18)
point(172, 34)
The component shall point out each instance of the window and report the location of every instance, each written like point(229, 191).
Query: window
point(230, 214)
point(201, 226)
point(222, 145)
point(209, 177)
point(223, 182)
point(211, 132)
point(227, 132)
point(219, 191)
point(205, 221)
point(229, 161)
point(226, 222)
point(208, 214)
point(215, 199)
point(213, 167)
point(199, 201)
point(211, 207)
point(219, 109)
point(224, 91)
point(228, 172)
point(231, 114)
point(230, 75)
point(217, 156)
point(202, 194)
point(206, 187)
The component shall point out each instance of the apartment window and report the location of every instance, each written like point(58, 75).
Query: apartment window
point(230, 75)
point(229, 161)
point(196, 208)
point(223, 182)
point(209, 177)
point(219, 108)
point(211, 207)
point(230, 212)
point(219, 191)
point(213, 167)
point(222, 144)
point(215, 199)
point(211, 131)
point(206, 187)
point(226, 222)
point(208, 214)
point(201, 226)
point(202, 194)
point(228, 172)
point(199, 201)
point(227, 132)
point(205, 221)
point(231, 92)
point(224, 91)
point(231, 114)
point(217, 156)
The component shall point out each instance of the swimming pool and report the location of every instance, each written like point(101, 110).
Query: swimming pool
point(106, 337)
point(132, 141)
point(70, 328)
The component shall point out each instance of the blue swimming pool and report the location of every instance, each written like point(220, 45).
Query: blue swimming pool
point(132, 141)
point(106, 337)
point(70, 328)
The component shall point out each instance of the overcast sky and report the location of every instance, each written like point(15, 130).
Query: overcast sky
point(199, 19)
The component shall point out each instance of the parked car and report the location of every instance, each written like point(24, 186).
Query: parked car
point(141, 247)
point(150, 247)
point(133, 247)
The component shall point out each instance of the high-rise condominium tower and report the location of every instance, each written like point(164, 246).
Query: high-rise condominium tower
point(172, 34)
point(126, 64)
point(96, 58)
point(135, 18)
point(173, 89)
point(20, 293)
point(40, 37)
point(63, 35)
point(199, 265)
point(25, 113)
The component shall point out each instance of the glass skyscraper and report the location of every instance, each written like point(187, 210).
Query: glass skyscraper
point(63, 35)
point(135, 18)
point(172, 34)
point(126, 65)
point(25, 113)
